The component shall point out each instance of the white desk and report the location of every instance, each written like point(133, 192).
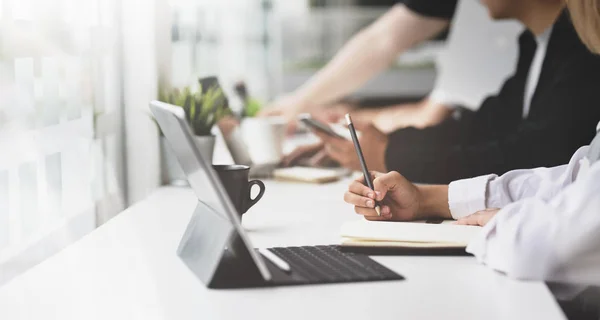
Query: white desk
point(128, 269)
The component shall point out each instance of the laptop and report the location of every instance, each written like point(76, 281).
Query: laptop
point(218, 251)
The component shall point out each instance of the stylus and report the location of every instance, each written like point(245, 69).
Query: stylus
point(361, 158)
point(284, 266)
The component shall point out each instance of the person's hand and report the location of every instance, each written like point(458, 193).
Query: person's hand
point(288, 107)
point(372, 141)
point(479, 218)
point(314, 154)
point(399, 198)
point(285, 105)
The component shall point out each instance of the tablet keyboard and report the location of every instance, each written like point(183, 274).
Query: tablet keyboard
point(328, 264)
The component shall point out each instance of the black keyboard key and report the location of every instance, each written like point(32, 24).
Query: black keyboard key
point(302, 265)
point(344, 266)
point(354, 266)
point(329, 264)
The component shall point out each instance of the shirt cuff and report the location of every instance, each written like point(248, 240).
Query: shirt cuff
point(467, 196)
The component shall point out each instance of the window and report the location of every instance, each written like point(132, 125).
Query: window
point(60, 125)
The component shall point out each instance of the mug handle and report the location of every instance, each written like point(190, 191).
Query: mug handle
point(251, 201)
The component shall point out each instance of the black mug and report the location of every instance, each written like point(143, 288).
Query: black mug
point(235, 180)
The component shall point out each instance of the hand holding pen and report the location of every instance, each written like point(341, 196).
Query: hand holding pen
point(361, 159)
point(384, 196)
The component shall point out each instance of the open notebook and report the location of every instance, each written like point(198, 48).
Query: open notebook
point(310, 175)
point(379, 237)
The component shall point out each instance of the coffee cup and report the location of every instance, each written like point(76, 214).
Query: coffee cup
point(263, 138)
point(235, 180)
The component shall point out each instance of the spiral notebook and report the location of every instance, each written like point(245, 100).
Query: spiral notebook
point(419, 238)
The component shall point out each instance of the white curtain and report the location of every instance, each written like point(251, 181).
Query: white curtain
point(61, 141)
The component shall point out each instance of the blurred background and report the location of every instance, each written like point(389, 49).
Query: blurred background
point(77, 141)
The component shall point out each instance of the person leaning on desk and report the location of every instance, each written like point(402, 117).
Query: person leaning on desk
point(548, 224)
point(367, 54)
point(542, 114)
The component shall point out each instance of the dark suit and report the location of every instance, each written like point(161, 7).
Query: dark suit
point(563, 115)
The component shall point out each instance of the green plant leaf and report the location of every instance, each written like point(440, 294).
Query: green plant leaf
point(203, 108)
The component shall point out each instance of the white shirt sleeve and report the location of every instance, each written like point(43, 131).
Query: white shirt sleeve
point(553, 238)
point(468, 196)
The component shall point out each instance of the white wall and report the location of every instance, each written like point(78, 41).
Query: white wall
point(479, 56)
point(141, 26)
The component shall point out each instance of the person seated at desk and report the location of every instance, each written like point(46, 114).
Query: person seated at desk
point(542, 114)
point(548, 224)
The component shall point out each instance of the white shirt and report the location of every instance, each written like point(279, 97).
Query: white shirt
point(549, 225)
point(535, 69)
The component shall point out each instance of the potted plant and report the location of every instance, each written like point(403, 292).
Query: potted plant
point(204, 106)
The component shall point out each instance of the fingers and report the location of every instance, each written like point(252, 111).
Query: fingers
point(319, 159)
point(357, 187)
point(373, 174)
point(291, 127)
point(363, 200)
point(341, 154)
point(340, 150)
point(480, 218)
point(301, 152)
point(358, 200)
point(471, 220)
point(382, 183)
point(371, 214)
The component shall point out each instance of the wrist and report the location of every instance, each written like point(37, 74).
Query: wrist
point(301, 102)
point(433, 201)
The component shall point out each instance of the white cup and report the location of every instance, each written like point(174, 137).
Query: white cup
point(264, 138)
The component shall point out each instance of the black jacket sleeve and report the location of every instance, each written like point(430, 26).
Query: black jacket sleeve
point(443, 9)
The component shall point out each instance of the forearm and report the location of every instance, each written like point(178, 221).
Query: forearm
point(397, 117)
point(422, 114)
point(433, 201)
point(368, 53)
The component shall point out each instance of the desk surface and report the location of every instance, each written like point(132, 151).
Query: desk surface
point(128, 269)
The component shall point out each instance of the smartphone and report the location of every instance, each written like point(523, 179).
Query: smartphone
point(319, 126)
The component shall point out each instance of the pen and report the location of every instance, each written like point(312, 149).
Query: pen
point(284, 266)
point(361, 159)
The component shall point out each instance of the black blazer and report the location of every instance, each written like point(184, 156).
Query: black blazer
point(563, 115)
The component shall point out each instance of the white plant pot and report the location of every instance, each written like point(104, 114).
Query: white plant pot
point(206, 146)
point(172, 173)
